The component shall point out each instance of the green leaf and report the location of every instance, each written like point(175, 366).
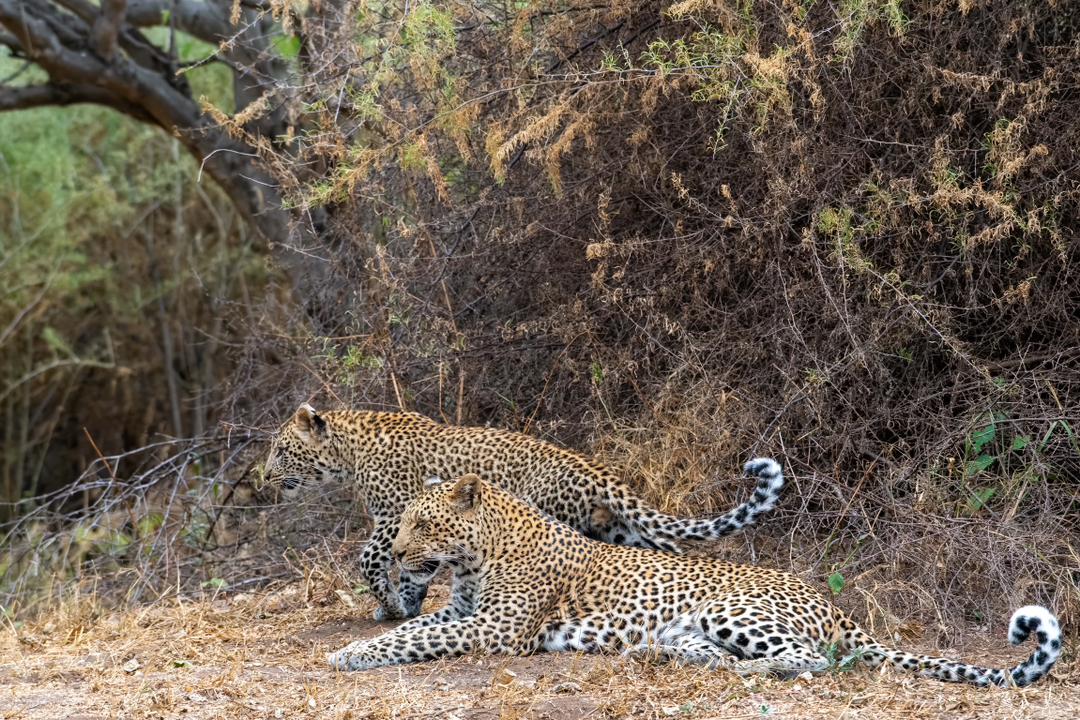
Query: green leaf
point(116, 543)
point(1048, 435)
point(181, 663)
point(979, 499)
point(150, 524)
point(836, 583)
point(1019, 443)
point(1071, 435)
point(979, 464)
point(597, 373)
point(215, 583)
point(55, 342)
point(981, 438)
point(287, 46)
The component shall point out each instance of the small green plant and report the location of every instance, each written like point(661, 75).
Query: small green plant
point(857, 15)
point(991, 455)
point(838, 663)
point(836, 583)
point(839, 224)
point(287, 46)
point(196, 532)
point(596, 370)
point(355, 358)
point(149, 524)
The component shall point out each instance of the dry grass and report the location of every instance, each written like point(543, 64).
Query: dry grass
point(260, 656)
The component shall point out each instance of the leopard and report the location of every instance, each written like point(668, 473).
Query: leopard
point(386, 456)
point(524, 583)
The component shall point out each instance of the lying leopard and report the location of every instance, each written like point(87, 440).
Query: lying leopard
point(388, 455)
point(525, 583)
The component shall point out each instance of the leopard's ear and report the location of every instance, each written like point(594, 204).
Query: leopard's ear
point(465, 495)
point(308, 424)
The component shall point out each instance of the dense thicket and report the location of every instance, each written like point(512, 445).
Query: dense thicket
point(682, 235)
point(679, 235)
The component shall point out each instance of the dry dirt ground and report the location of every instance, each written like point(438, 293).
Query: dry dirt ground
point(261, 656)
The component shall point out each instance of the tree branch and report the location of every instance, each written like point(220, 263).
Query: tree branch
point(122, 78)
point(205, 20)
point(245, 46)
point(137, 46)
point(23, 98)
point(106, 28)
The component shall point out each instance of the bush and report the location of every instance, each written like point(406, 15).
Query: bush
point(683, 235)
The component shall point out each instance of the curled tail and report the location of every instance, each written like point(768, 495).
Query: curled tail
point(635, 524)
point(1032, 619)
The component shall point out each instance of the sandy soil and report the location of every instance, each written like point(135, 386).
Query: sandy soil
point(261, 656)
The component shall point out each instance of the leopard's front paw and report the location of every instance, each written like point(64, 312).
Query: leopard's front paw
point(347, 658)
point(382, 614)
point(412, 607)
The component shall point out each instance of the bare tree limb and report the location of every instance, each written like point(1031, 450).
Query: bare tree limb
point(106, 28)
point(205, 20)
point(122, 77)
point(31, 96)
point(134, 43)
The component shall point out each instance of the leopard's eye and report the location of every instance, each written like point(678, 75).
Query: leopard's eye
point(420, 526)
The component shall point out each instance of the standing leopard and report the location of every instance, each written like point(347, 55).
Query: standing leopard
point(388, 455)
point(524, 582)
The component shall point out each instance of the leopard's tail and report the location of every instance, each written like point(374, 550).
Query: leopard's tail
point(637, 524)
point(1032, 619)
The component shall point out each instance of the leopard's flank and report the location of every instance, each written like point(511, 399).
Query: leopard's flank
point(525, 583)
point(388, 455)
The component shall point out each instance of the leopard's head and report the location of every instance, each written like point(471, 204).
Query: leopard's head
point(440, 526)
point(301, 454)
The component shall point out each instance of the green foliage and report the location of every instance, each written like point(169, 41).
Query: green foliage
point(980, 438)
point(149, 524)
point(718, 63)
point(856, 16)
point(839, 225)
point(287, 46)
point(596, 372)
point(412, 58)
point(994, 458)
point(838, 663)
point(980, 498)
point(1019, 443)
point(90, 201)
point(429, 29)
point(836, 583)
